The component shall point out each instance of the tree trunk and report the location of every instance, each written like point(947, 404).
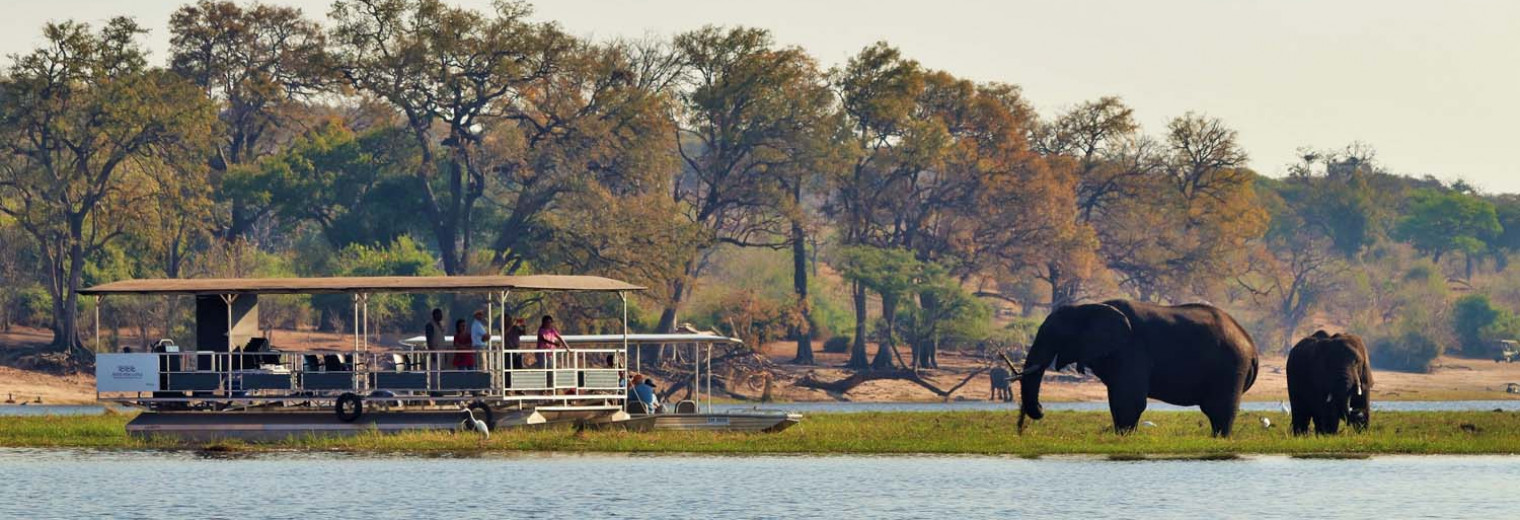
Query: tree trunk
point(883, 359)
point(858, 349)
point(804, 332)
point(65, 294)
point(925, 352)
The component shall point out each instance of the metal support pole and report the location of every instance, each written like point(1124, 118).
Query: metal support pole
point(709, 377)
point(97, 324)
point(624, 297)
point(227, 299)
point(356, 321)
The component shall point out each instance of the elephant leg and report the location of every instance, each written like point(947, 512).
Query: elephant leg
point(1326, 421)
point(1303, 413)
point(1126, 401)
point(1220, 409)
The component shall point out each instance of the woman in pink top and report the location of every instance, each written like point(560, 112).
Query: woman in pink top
point(548, 336)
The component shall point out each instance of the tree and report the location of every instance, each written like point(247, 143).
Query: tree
point(1295, 271)
point(260, 62)
point(597, 128)
point(1443, 221)
point(745, 107)
point(451, 73)
point(892, 273)
point(878, 90)
point(1185, 230)
point(352, 187)
point(81, 116)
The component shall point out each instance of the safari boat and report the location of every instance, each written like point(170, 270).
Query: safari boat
point(233, 383)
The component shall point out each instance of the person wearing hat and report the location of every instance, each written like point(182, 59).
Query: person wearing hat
point(480, 336)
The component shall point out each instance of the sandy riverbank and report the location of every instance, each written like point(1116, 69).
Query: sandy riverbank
point(1453, 378)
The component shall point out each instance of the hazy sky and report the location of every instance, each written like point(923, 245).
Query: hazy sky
point(1431, 85)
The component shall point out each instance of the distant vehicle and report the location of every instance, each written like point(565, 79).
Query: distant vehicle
point(1509, 351)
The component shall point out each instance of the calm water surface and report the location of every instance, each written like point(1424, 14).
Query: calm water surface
point(72, 484)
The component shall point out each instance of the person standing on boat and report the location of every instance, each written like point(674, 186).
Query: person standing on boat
point(549, 338)
point(513, 341)
point(434, 334)
point(463, 360)
point(480, 334)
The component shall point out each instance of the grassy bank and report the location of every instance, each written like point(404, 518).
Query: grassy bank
point(1175, 433)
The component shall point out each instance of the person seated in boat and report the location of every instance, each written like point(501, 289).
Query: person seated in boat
point(643, 391)
point(463, 360)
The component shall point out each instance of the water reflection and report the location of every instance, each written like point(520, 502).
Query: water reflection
point(54, 483)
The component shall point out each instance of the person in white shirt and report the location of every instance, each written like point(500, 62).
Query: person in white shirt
point(480, 336)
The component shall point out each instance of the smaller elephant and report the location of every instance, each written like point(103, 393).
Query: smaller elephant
point(1329, 381)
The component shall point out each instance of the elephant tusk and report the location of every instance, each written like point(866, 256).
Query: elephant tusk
point(1358, 390)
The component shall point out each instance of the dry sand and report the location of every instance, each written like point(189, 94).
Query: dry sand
point(1454, 378)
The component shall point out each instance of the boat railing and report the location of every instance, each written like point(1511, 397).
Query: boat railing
point(564, 376)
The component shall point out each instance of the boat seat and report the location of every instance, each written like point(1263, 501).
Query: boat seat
point(328, 381)
point(194, 381)
point(464, 380)
point(401, 380)
point(687, 406)
point(266, 382)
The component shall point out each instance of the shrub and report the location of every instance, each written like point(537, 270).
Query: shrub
point(1410, 351)
point(838, 344)
point(1479, 325)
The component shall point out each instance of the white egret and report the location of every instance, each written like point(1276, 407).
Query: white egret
point(1265, 422)
point(1148, 424)
point(476, 424)
point(1283, 405)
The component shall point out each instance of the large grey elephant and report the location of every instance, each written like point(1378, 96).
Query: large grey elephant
point(1329, 381)
point(1187, 355)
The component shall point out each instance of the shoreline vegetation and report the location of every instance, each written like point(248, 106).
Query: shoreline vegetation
point(1174, 435)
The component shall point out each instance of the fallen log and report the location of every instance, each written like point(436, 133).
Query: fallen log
point(849, 383)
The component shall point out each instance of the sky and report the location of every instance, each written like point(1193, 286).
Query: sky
point(1430, 85)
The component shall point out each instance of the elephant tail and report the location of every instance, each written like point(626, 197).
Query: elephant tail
point(1251, 375)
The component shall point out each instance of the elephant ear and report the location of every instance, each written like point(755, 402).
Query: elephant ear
point(1103, 330)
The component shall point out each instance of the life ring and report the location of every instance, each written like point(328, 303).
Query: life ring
point(483, 413)
point(357, 405)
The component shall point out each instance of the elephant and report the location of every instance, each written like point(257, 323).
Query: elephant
point(1187, 355)
point(1329, 381)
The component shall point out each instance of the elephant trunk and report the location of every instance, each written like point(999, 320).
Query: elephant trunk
point(1041, 354)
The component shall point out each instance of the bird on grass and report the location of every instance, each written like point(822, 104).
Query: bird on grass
point(1283, 405)
point(1148, 424)
point(1265, 422)
point(476, 424)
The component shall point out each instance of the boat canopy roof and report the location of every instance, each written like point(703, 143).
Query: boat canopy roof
point(363, 284)
point(583, 339)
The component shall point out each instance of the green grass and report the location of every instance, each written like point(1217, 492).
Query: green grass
point(1180, 434)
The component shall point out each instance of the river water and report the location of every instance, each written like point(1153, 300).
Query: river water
point(848, 407)
point(73, 484)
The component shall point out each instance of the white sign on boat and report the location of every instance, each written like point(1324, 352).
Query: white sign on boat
point(126, 372)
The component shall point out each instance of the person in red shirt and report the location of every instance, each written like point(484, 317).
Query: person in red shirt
point(463, 360)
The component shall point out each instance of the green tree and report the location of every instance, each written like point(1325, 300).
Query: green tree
point(891, 273)
point(78, 115)
point(451, 74)
point(746, 108)
point(260, 62)
point(1443, 221)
